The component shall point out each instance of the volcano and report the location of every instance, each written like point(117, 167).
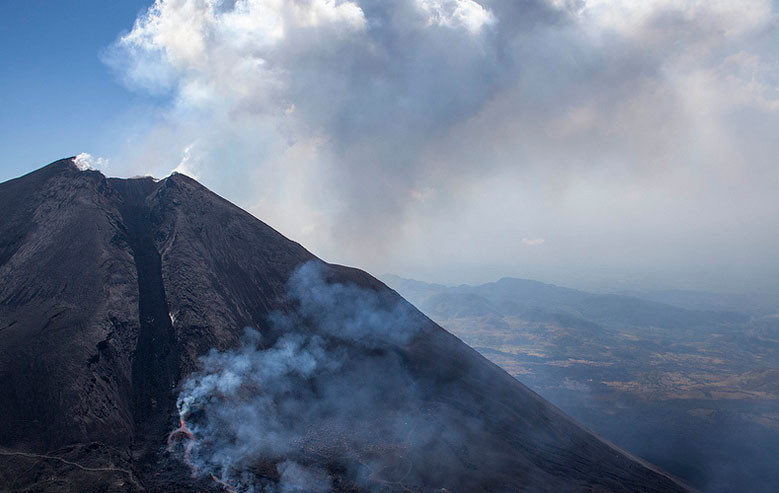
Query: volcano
point(121, 299)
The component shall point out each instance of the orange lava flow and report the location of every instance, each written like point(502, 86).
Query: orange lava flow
point(223, 484)
point(183, 433)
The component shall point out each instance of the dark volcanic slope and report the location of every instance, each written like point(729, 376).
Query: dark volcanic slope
point(110, 291)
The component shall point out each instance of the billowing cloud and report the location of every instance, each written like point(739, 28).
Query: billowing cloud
point(419, 134)
point(85, 161)
point(457, 13)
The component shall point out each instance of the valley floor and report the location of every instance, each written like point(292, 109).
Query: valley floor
point(703, 407)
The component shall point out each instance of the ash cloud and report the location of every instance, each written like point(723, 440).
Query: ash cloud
point(370, 130)
point(329, 393)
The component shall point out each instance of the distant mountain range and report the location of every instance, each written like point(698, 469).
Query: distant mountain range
point(539, 301)
point(757, 303)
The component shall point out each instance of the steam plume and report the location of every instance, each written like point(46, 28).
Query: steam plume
point(328, 394)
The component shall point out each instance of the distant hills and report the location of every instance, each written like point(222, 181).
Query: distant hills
point(540, 301)
point(756, 303)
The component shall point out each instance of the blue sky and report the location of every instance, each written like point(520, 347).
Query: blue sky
point(58, 98)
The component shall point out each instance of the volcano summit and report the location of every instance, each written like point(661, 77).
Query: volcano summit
point(154, 336)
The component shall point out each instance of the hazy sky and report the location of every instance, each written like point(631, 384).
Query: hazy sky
point(590, 143)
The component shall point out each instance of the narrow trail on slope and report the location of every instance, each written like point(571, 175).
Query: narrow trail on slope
point(30, 455)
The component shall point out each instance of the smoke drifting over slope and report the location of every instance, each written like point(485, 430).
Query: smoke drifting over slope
point(313, 392)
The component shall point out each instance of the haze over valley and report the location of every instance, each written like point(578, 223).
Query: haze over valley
point(693, 391)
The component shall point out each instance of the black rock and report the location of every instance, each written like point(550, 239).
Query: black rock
point(111, 290)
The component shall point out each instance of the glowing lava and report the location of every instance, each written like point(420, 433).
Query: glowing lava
point(184, 435)
point(223, 484)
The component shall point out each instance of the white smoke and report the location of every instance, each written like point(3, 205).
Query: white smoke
point(317, 391)
point(86, 161)
point(457, 13)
